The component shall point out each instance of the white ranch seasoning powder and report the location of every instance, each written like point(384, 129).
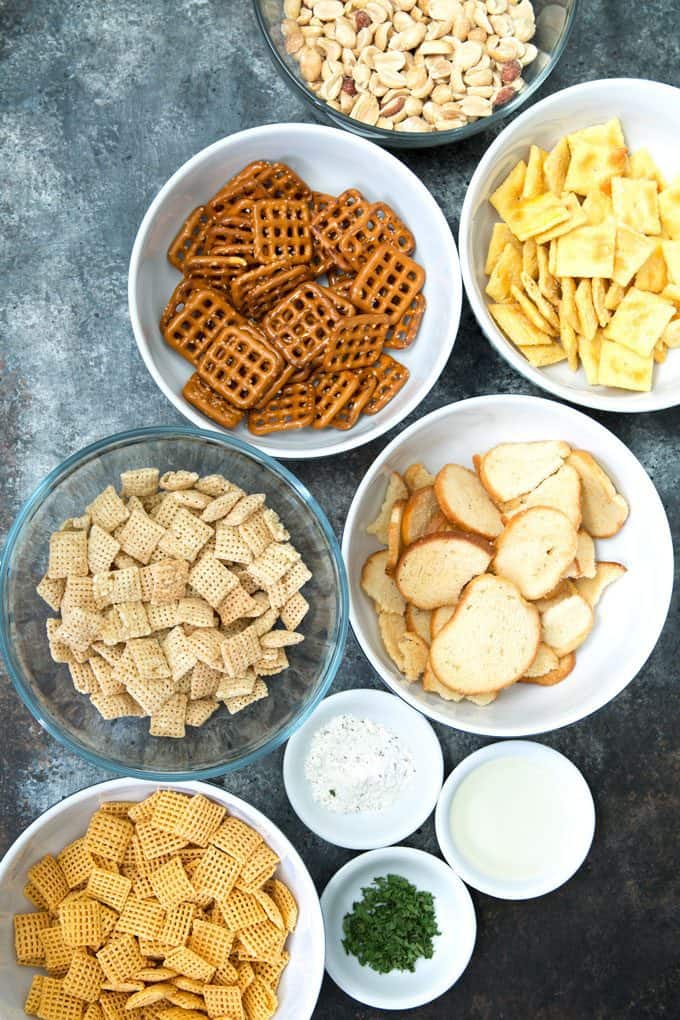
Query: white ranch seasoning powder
point(356, 765)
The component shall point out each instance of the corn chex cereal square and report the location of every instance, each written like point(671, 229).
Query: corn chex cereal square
point(81, 923)
point(132, 620)
point(211, 941)
point(294, 611)
point(76, 863)
point(216, 874)
point(237, 604)
point(121, 958)
point(199, 820)
point(259, 867)
point(85, 977)
point(113, 586)
point(230, 545)
point(56, 1003)
point(237, 704)
point(223, 1001)
point(27, 945)
point(175, 481)
point(108, 836)
point(49, 881)
point(83, 677)
point(220, 506)
point(171, 885)
point(51, 591)
point(168, 806)
point(142, 918)
point(186, 962)
point(245, 508)
point(178, 922)
point(109, 888)
point(237, 838)
point(57, 954)
point(204, 681)
point(241, 909)
point(206, 645)
point(259, 1000)
point(108, 510)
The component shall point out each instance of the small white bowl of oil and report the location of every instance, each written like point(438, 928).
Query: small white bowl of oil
point(515, 819)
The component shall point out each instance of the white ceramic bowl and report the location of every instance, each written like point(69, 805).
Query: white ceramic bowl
point(650, 117)
point(66, 821)
point(631, 614)
point(452, 949)
point(576, 807)
point(330, 161)
point(368, 829)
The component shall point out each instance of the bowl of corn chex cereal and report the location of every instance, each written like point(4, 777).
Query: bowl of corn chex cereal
point(174, 603)
point(143, 899)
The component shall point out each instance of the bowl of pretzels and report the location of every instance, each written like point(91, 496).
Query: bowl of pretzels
point(296, 286)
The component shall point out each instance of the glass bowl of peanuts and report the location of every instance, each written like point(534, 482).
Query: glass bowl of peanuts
point(415, 73)
point(191, 606)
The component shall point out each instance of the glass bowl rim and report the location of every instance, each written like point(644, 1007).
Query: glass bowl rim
point(37, 497)
point(383, 135)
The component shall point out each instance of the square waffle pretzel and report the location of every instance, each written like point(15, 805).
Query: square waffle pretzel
point(332, 222)
point(190, 239)
point(356, 342)
point(292, 408)
point(379, 225)
point(254, 293)
point(403, 333)
point(331, 392)
point(299, 326)
point(391, 376)
point(244, 185)
point(282, 231)
point(204, 315)
point(279, 181)
point(387, 283)
point(240, 365)
point(233, 234)
point(349, 415)
point(218, 270)
point(179, 297)
point(208, 402)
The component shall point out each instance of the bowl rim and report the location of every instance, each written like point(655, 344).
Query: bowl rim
point(625, 403)
point(456, 887)
point(195, 786)
point(441, 352)
point(665, 572)
point(25, 691)
point(383, 136)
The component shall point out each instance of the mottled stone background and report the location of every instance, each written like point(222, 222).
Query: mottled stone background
point(101, 102)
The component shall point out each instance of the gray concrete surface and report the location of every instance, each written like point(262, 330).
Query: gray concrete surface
point(100, 103)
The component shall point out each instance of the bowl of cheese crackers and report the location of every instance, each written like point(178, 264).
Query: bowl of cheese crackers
point(173, 603)
point(570, 245)
point(141, 899)
point(500, 552)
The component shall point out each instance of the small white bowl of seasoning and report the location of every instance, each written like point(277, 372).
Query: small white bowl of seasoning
point(364, 771)
point(515, 819)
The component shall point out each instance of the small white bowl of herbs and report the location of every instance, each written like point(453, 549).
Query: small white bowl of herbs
point(364, 771)
point(400, 928)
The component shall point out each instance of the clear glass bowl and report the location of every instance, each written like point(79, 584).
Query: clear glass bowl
point(554, 21)
point(225, 742)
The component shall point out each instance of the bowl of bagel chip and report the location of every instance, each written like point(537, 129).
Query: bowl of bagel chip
point(499, 552)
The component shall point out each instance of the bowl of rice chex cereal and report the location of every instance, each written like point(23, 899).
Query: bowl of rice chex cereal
point(174, 603)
